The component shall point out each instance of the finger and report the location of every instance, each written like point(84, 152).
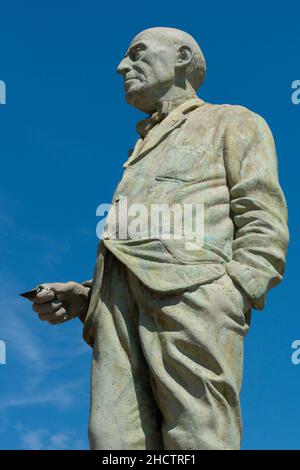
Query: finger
point(44, 295)
point(48, 307)
point(61, 288)
point(63, 317)
point(59, 315)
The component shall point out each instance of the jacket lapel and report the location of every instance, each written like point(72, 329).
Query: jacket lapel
point(156, 135)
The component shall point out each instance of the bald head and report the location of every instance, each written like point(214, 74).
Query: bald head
point(176, 38)
point(161, 64)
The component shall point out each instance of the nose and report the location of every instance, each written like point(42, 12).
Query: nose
point(123, 67)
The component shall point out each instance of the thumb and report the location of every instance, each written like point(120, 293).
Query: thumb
point(58, 289)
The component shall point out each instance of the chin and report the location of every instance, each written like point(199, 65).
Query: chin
point(134, 96)
point(139, 96)
point(133, 101)
point(134, 89)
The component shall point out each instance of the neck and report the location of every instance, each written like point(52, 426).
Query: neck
point(169, 105)
point(151, 102)
point(174, 97)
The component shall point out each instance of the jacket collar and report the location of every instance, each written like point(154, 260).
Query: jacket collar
point(158, 133)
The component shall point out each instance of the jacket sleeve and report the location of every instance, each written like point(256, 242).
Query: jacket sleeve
point(257, 205)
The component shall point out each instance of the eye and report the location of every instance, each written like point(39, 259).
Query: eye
point(136, 52)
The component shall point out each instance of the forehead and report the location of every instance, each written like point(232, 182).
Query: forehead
point(148, 38)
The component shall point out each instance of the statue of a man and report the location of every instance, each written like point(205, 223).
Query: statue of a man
point(165, 315)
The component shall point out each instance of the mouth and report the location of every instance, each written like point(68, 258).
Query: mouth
point(129, 79)
point(129, 82)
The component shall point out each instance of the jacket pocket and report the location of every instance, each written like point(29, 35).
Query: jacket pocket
point(188, 251)
point(185, 163)
point(234, 289)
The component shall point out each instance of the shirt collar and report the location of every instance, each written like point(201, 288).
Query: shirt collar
point(145, 125)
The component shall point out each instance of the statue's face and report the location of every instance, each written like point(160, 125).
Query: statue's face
point(148, 69)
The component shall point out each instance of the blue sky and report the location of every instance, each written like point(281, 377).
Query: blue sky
point(65, 132)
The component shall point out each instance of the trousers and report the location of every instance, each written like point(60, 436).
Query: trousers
point(166, 368)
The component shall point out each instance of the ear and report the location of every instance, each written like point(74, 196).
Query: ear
point(184, 56)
